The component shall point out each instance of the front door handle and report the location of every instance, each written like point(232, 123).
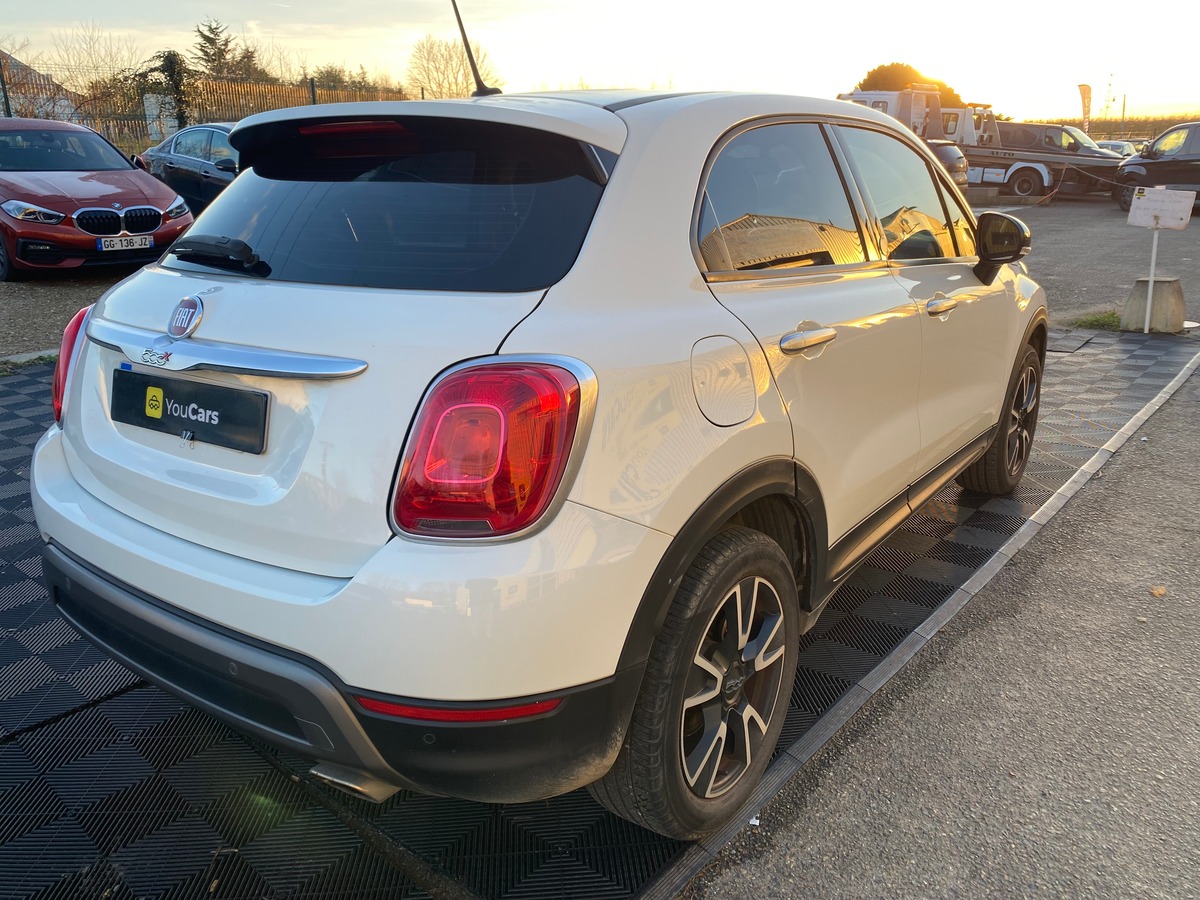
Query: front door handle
point(940, 307)
point(799, 341)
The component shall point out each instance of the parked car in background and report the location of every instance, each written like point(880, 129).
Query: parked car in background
point(1125, 148)
point(198, 162)
point(492, 449)
point(952, 158)
point(69, 198)
point(1171, 160)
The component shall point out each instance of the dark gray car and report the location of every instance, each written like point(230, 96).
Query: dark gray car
point(197, 161)
point(1172, 160)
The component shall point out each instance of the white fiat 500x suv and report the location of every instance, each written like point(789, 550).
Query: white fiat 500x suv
point(495, 448)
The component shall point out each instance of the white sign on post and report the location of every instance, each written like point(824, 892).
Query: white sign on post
point(1158, 208)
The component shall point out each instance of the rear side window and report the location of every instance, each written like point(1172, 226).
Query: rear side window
point(1013, 135)
point(416, 203)
point(774, 200)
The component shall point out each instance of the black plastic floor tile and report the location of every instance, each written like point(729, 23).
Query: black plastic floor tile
point(111, 789)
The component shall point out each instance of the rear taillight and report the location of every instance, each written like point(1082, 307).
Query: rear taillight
point(66, 356)
point(488, 450)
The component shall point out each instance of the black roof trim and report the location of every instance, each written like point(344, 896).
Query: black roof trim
point(638, 101)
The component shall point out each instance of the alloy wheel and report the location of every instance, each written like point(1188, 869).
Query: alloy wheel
point(732, 687)
point(1022, 420)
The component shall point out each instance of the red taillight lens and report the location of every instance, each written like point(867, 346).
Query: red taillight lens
point(488, 450)
point(370, 126)
point(459, 714)
point(66, 353)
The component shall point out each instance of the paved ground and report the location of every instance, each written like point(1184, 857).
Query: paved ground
point(1045, 743)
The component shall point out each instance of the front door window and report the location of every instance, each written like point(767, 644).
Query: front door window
point(1171, 143)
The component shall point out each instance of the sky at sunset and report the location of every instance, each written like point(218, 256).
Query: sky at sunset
point(1027, 63)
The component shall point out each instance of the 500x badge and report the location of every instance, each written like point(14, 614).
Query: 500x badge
point(154, 358)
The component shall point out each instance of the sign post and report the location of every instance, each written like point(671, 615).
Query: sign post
point(1156, 209)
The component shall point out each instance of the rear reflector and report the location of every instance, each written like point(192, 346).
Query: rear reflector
point(459, 714)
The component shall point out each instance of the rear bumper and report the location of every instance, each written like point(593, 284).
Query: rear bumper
point(294, 703)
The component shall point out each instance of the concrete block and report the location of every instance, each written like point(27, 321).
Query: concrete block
point(1166, 312)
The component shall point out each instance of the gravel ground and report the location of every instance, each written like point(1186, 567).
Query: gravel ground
point(1087, 257)
point(34, 312)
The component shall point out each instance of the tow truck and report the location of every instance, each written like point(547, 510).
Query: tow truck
point(1027, 159)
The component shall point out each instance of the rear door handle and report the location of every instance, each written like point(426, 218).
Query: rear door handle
point(940, 307)
point(799, 341)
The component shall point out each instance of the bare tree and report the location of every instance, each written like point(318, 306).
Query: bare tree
point(87, 53)
point(86, 66)
point(438, 69)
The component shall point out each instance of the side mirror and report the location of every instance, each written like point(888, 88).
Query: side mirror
point(1001, 239)
point(1073, 146)
point(226, 165)
point(137, 161)
point(1149, 153)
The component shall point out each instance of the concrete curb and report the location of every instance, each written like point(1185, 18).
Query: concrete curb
point(26, 357)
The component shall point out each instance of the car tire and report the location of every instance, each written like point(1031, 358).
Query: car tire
point(1000, 468)
point(8, 271)
point(1026, 183)
point(707, 718)
point(1123, 194)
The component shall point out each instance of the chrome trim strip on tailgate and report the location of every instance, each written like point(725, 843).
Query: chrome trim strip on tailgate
point(153, 348)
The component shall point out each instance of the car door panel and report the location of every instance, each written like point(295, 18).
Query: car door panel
point(183, 166)
point(966, 344)
point(850, 400)
point(965, 353)
point(776, 203)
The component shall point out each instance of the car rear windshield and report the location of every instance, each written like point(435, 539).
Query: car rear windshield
point(415, 203)
point(55, 150)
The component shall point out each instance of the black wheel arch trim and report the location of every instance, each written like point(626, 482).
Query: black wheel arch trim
point(779, 476)
point(1041, 321)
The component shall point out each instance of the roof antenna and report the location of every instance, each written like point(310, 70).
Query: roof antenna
point(481, 89)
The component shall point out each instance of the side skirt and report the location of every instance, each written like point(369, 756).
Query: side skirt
point(848, 553)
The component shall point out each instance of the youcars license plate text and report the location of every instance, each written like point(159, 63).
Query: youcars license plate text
point(138, 242)
point(193, 410)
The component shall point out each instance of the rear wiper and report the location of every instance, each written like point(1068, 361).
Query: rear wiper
point(221, 252)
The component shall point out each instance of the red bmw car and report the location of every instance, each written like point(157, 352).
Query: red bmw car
point(69, 198)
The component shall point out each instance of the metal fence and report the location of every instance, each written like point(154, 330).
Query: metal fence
point(134, 111)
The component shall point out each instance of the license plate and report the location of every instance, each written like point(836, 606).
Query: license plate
point(191, 410)
point(137, 242)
